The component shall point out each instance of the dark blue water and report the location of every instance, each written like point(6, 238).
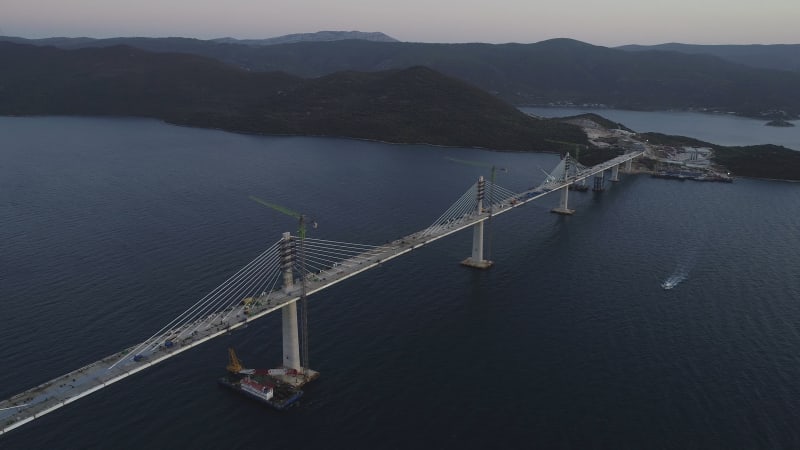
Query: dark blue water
point(111, 227)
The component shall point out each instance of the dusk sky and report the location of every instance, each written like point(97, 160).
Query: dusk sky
point(610, 22)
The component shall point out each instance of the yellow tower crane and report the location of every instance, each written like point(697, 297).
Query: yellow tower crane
point(234, 365)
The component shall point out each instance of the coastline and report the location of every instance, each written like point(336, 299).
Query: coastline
point(171, 123)
point(599, 107)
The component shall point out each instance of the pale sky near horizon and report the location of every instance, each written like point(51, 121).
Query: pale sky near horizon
point(609, 23)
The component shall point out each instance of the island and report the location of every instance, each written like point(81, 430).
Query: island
point(779, 123)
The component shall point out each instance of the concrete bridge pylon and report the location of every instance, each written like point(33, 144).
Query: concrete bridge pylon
point(477, 260)
point(563, 204)
point(291, 335)
point(289, 321)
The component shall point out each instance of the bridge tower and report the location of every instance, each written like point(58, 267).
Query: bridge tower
point(563, 204)
point(476, 260)
point(615, 173)
point(293, 358)
point(291, 335)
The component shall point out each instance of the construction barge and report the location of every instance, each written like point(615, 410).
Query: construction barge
point(263, 385)
point(264, 388)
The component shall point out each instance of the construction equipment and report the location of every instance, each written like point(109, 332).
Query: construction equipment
point(247, 302)
point(302, 219)
point(281, 371)
point(235, 365)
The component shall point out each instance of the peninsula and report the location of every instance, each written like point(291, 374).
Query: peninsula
point(779, 123)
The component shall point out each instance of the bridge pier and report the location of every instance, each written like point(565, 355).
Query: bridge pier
point(615, 174)
point(563, 204)
point(476, 260)
point(291, 337)
point(629, 166)
point(598, 181)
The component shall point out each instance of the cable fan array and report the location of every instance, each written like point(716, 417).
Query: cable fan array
point(566, 170)
point(467, 206)
point(254, 283)
point(323, 255)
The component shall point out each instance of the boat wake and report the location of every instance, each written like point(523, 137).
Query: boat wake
point(675, 279)
point(685, 264)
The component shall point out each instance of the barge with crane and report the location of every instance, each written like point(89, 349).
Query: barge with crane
point(260, 384)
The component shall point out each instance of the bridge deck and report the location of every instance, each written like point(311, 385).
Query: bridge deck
point(33, 403)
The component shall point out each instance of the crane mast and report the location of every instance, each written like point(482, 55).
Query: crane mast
point(234, 364)
point(301, 259)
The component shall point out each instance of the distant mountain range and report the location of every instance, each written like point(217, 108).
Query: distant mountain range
point(777, 57)
point(319, 36)
point(559, 71)
point(412, 105)
point(153, 44)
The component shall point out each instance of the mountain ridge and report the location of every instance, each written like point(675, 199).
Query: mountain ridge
point(413, 105)
point(318, 36)
point(557, 71)
point(765, 56)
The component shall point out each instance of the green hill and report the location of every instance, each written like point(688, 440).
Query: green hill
point(414, 105)
point(554, 71)
point(756, 161)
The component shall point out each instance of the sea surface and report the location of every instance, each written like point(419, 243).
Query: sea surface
point(109, 228)
point(721, 129)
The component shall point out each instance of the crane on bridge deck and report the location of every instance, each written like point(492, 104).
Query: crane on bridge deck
point(302, 221)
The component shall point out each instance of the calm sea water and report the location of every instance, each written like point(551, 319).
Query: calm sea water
point(111, 227)
point(719, 129)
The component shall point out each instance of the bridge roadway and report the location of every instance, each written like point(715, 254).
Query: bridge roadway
point(47, 397)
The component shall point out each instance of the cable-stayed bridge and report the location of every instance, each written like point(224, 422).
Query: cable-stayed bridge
point(291, 269)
